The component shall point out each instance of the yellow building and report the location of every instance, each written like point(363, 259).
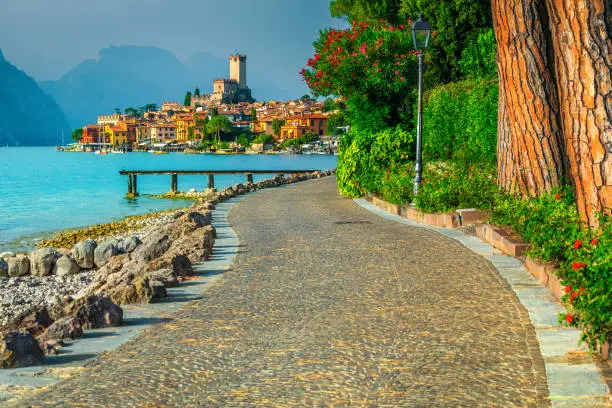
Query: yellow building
point(299, 125)
point(183, 124)
point(118, 134)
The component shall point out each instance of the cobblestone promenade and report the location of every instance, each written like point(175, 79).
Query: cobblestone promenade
point(329, 305)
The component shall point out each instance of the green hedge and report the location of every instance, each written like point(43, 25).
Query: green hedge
point(460, 122)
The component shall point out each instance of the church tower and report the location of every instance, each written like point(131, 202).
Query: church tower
point(238, 70)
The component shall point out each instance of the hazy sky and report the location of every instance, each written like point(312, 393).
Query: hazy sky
point(47, 38)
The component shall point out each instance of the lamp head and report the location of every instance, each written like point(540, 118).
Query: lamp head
point(421, 32)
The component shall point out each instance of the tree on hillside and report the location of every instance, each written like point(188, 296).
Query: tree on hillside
point(214, 112)
point(253, 114)
point(150, 107)
point(77, 135)
point(187, 99)
point(118, 111)
point(277, 124)
point(196, 92)
point(554, 110)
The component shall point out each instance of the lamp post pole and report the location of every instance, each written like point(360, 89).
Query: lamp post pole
point(419, 142)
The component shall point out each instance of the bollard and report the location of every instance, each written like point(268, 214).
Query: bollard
point(249, 177)
point(211, 181)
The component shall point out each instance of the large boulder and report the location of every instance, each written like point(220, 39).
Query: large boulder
point(104, 252)
point(178, 262)
point(153, 246)
point(18, 265)
point(42, 261)
point(159, 290)
point(83, 253)
point(96, 312)
point(65, 266)
point(134, 290)
point(3, 268)
point(34, 319)
point(69, 327)
point(19, 350)
point(166, 277)
point(129, 244)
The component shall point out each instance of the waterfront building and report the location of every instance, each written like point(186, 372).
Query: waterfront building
point(183, 124)
point(118, 134)
point(93, 134)
point(163, 133)
point(299, 125)
point(110, 119)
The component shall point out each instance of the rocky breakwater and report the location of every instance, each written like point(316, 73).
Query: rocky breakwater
point(52, 294)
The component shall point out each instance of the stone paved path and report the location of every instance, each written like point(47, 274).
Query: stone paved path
point(329, 305)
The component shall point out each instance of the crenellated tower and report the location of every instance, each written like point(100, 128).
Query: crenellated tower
point(238, 70)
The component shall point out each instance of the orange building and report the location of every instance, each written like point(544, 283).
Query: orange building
point(94, 134)
point(298, 126)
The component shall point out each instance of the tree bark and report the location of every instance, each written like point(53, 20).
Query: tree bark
point(531, 159)
point(583, 69)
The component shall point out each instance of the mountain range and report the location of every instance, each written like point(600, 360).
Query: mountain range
point(28, 116)
point(132, 76)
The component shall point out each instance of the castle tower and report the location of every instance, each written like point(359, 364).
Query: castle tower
point(238, 70)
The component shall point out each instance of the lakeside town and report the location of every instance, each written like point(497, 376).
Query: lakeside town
point(227, 121)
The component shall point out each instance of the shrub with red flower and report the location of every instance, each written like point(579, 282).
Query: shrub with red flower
point(577, 244)
point(371, 64)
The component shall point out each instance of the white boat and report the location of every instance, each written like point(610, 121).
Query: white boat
point(117, 151)
point(97, 152)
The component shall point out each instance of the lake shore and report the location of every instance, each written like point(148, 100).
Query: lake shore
point(140, 257)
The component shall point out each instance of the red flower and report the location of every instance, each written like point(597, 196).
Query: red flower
point(576, 266)
point(379, 70)
point(401, 26)
point(557, 196)
point(568, 289)
point(574, 296)
point(363, 49)
point(582, 290)
point(594, 241)
point(396, 72)
point(319, 74)
point(402, 79)
point(577, 244)
point(569, 318)
point(391, 28)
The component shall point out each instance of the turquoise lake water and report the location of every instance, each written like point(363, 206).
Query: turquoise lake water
point(43, 191)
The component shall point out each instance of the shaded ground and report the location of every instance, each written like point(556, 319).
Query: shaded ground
point(327, 305)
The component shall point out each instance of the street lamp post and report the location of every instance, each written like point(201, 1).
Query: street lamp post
point(421, 32)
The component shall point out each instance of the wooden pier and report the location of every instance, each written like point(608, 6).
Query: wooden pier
point(133, 176)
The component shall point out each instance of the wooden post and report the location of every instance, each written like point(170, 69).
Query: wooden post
point(211, 180)
point(130, 186)
point(134, 185)
point(174, 183)
point(249, 177)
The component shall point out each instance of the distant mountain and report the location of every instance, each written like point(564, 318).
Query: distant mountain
point(120, 77)
point(132, 76)
point(28, 116)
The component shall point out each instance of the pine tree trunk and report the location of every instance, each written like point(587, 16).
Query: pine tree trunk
point(583, 69)
point(530, 154)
